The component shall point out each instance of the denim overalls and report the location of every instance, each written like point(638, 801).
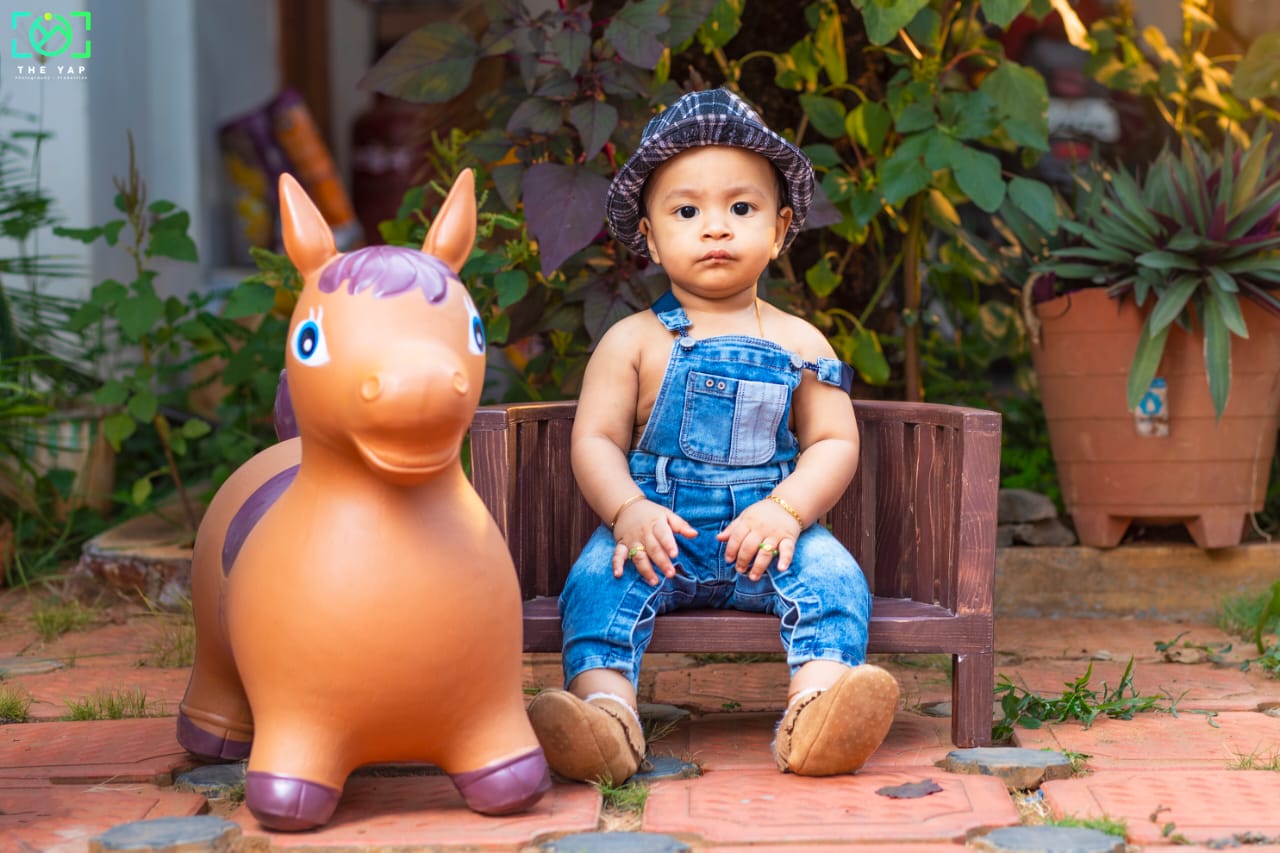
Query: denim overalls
point(717, 442)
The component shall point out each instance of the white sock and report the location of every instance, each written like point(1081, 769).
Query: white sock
point(616, 698)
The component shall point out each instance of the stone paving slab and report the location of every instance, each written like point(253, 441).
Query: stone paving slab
point(405, 811)
point(1194, 687)
point(804, 847)
point(62, 818)
point(118, 751)
point(768, 807)
point(1077, 638)
point(1161, 741)
point(51, 691)
point(1202, 805)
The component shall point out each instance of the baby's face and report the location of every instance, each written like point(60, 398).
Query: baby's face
point(712, 218)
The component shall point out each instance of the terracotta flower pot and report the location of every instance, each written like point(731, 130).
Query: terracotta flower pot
point(1207, 474)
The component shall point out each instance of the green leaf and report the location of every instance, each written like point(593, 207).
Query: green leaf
point(1257, 75)
point(160, 207)
point(141, 490)
point(571, 46)
point(686, 17)
point(883, 18)
point(1217, 355)
point(977, 173)
point(1171, 303)
point(1022, 101)
point(195, 428)
point(902, 177)
point(822, 155)
point(139, 315)
point(828, 45)
point(117, 427)
point(497, 329)
point(249, 299)
point(537, 115)
point(511, 285)
point(941, 210)
point(867, 124)
point(868, 358)
point(914, 117)
point(430, 65)
point(1146, 359)
point(1225, 282)
point(595, 122)
point(1036, 200)
point(1002, 12)
point(821, 278)
point(825, 114)
point(1160, 260)
point(172, 244)
point(721, 25)
point(83, 235)
point(1229, 308)
point(111, 231)
point(143, 407)
point(112, 393)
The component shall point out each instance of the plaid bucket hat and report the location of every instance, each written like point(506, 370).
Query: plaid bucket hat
point(713, 117)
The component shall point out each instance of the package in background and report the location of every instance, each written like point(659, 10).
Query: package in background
point(298, 136)
point(253, 162)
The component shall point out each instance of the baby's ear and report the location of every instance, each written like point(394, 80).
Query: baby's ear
point(780, 229)
point(646, 229)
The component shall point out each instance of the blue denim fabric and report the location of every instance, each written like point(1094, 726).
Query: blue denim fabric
point(717, 442)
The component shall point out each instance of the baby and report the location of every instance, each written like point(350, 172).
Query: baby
point(712, 432)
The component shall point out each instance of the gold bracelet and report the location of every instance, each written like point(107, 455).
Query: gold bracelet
point(628, 502)
point(789, 508)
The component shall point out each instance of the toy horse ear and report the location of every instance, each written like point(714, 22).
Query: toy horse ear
point(453, 233)
point(307, 238)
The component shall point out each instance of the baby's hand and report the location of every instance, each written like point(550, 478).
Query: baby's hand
point(645, 532)
point(763, 531)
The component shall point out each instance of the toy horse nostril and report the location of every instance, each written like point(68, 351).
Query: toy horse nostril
point(460, 383)
point(371, 388)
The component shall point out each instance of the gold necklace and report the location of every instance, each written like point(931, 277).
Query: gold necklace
point(759, 322)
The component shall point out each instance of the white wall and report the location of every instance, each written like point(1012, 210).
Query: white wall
point(170, 71)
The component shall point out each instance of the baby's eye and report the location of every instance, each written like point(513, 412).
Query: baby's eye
point(688, 211)
point(740, 208)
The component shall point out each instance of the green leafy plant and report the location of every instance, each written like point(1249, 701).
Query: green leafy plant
point(56, 618)
point(15, 704)
point(176, 645)
point(112, 705)
point(1194, 234)
point(1079, 702)
point(628, 797)
point(1110, 825)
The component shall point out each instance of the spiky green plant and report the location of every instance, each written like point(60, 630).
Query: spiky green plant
point(1190, 237)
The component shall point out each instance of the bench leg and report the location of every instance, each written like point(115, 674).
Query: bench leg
point(972, 695)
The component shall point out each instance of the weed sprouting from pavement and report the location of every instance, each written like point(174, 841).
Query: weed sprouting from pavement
point(15, 704)
point(112, 705)
point(54, 620)
point(1026, 708)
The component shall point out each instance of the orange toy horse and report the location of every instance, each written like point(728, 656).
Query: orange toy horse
point(354, 601)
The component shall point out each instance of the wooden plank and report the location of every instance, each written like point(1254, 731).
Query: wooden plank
point(891, 509)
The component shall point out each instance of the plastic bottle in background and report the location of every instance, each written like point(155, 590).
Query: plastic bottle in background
point(300, 138)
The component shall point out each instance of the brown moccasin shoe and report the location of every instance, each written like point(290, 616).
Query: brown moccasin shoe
point(594, 741)
point(836, 730)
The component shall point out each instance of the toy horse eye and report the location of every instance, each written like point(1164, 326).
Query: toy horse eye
point(309, 345)
point(475, 330)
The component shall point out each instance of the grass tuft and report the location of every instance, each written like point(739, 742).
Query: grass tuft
point(1109, 825)
point(113, 705)
point(176, 646)
point(1022, 707)
point(15, 704)
point(57, 618)
point(628, 797)
point(1256, 761)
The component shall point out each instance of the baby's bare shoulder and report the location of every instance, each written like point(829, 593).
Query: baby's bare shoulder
point(800, 336)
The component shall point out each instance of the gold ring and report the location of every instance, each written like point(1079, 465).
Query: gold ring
point(634, 549)
point(766, 545)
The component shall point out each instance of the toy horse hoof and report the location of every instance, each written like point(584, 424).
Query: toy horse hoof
point(508, 786)
point(209, 745)
point(288, 804)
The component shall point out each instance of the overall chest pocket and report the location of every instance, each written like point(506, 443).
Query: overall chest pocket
point(731, 421)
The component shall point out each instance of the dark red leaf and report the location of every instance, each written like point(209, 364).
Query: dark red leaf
point(564, 210)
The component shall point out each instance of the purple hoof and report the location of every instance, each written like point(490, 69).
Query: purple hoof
point(207, 745)
point(288, 804)
point(507, 786)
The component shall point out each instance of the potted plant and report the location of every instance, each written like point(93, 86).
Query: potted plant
point(1158, 355)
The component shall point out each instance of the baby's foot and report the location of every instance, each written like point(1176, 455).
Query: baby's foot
point(596, 739)
point(835, 730)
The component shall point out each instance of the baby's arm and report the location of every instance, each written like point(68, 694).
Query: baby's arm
point(602, 431)
point(829, 445)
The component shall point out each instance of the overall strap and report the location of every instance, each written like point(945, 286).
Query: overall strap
point(671, 314)
point(832, 371)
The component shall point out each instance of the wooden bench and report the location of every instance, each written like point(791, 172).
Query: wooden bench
point(920, 517)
